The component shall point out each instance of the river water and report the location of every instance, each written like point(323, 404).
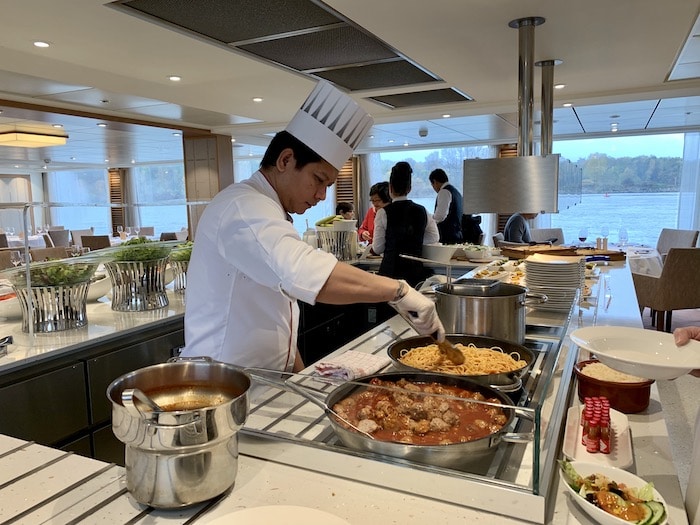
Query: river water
point(642, 214)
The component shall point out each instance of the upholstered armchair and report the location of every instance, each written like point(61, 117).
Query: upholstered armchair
point(677, 288)
point(670, 238)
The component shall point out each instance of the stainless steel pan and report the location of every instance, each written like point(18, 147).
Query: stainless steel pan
point(449, 455)
point(504, 382)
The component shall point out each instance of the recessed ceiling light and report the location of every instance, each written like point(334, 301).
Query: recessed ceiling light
point(405, 144)
point(57, 125)
point(233, 140)
point(371, 136)
point(446, 115)
point(174, 78)
point(16, 165)
point(559, 86)
point(106, 160)
point(391, 141)
point(567, 104)
point(177, 134)
point(41, 43)
point(72, 158)
point(257, 99)
point(101, 125)
point(133, 161)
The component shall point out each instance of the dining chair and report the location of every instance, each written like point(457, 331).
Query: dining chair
point(147, 231)
point(5, 259)
point(48, 241)
point(76, 235)
point(553, 235)
point(677, 288)
point(60, 237)
point(498, 238)
point(95, 242)
point(168, 236)
point(44, 254)
point(671, 238)
point(3, 241)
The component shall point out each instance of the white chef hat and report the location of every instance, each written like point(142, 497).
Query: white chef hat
point(330, 123)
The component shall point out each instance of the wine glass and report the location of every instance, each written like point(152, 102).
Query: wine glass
point(137, 229)
point(75, 251)
point(128, 231)
point(10, 230)
point(583, 235)
point(605, 231)
point(622, 236)
point(120, 229)
point(15, 258)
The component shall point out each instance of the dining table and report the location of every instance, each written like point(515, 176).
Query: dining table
point(35, 241)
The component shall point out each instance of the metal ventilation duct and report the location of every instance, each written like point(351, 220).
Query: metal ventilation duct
point(547, 120)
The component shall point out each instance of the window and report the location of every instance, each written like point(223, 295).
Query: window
point(89, 188)
point(154, 187)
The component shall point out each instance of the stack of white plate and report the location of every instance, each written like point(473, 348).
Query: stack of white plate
point(557, 277)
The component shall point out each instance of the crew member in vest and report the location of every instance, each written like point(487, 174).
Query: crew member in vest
point(249, 266)
point(448, 208)
point(402, 227)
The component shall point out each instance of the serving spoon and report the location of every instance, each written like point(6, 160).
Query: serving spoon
point(446, 347)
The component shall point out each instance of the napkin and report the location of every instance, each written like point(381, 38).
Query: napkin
point(351, 364)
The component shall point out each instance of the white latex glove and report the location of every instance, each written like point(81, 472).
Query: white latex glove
point(420, 312)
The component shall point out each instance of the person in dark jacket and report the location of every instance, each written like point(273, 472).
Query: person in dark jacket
point(402, 227)
point(448, 208)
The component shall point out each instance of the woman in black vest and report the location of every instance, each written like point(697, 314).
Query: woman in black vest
point(402, 227)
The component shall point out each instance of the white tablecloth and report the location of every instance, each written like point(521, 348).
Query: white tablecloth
point(35, 241)
point(646, 261)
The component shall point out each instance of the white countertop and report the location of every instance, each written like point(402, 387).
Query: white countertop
point(73, 485)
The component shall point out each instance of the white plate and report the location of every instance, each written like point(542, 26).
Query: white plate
point(620, 441)
point(618, 475)
point(639, 352)
point(287, 514)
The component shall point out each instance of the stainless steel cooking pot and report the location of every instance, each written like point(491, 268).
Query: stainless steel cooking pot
point(485, 307)
point(448, 455)
point(187, 453)
point(503, 382)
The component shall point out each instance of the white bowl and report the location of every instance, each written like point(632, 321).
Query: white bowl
point(441, 253)
point(99, 288)
point(10, 308)
point(615, 474)
point(640, 352)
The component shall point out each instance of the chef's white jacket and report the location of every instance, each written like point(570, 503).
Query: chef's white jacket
point(248, 267)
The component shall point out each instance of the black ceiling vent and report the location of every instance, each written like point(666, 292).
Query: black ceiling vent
point(422, 98)
point(305, 36)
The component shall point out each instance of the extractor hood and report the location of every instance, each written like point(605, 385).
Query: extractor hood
point(526, 183)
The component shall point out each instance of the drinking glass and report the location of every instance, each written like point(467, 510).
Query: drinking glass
point(10, 230)
point(622, 236)
point(583, 235)
point(15, 258)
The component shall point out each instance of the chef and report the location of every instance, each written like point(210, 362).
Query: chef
point(249, 266)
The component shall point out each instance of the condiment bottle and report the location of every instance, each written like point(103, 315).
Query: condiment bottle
point(593, 441)
point(605, 442)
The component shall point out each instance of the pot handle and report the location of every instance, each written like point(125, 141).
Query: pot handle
point(537, 298)
point(515, 437)
point(178, 359)
point(510, 387)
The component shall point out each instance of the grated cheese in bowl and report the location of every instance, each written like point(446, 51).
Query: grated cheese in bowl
point(605, 373)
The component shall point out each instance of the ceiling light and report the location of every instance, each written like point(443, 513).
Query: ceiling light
point(41, 43)
point(102, 125)
point(177, 134)
point(559, 86)
point(391, 141)
point(257, 99)
point(31, 140)
point(446, 115)
point(56, 125)
point(567, 104)
point(174, 78)
point(233, 140)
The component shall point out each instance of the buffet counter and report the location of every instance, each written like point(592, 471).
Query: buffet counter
point(41, 484)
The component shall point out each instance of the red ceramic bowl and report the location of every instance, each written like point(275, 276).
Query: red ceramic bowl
point(628, 398)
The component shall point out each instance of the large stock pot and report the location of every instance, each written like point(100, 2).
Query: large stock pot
point(484, 307)
point(188, 452)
